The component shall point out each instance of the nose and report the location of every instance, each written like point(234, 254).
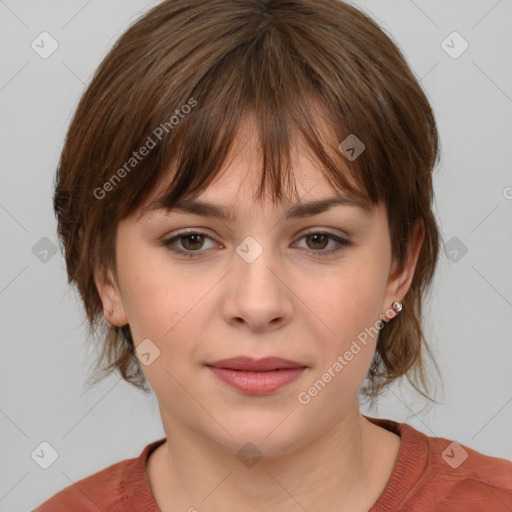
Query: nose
point(259, 295)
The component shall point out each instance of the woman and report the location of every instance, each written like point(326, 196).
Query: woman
point(245, 195)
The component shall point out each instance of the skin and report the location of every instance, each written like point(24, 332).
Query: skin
point(290, 302)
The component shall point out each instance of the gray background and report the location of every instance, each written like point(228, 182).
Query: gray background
point(45, 358)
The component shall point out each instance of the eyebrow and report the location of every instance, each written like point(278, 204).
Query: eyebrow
point(298, 210)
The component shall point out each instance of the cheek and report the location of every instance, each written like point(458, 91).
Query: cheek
point(355, 302)
point(153, 293)
point(166, 303)
point(352, 306)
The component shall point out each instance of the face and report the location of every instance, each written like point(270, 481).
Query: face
point(199, 289)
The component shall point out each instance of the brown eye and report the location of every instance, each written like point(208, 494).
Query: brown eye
point(318, 241)
point(189, 244)
point(192, 242)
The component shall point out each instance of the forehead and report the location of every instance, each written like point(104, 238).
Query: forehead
point(306, 190)
point(234, 190)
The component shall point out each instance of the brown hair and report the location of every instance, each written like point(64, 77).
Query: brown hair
point(178, 82)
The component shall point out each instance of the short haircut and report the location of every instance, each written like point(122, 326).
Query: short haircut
point(179, 81)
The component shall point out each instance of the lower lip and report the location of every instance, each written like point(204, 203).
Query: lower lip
point(257, 383)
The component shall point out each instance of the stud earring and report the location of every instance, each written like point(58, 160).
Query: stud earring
point(111, 312)
point(397, 306)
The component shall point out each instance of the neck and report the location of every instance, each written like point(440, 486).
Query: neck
point(344, 468)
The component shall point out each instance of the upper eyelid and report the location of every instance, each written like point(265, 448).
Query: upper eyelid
point(204, 231)
point(192, 231)
point(310, 210)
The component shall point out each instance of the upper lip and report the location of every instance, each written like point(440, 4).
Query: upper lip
point(249, 364)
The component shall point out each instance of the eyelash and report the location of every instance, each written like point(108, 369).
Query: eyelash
point(342, 243)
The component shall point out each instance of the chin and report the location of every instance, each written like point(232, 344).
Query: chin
point(270, 436)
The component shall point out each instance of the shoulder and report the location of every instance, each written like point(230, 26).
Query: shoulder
point(121, 487)
point(435, 473)
point(112, 489)
point(468, 477)
point(457, 477)
point(93, 493)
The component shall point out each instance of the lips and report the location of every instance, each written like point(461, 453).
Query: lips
point(249, 364)
point(257, 376)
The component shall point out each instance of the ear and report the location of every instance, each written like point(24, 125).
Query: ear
point(110, 295)
point(400, 279)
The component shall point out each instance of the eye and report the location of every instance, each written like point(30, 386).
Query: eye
point(191, 241)
point(317, 241)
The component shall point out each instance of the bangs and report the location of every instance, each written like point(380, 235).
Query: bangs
point(195, 158)
point(293, 99)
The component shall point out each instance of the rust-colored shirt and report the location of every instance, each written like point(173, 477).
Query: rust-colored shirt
point(431, 474)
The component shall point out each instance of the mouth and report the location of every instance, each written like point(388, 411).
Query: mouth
point(257, 376)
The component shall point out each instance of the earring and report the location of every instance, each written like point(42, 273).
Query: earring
point(111, 312)
point(397, 306)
